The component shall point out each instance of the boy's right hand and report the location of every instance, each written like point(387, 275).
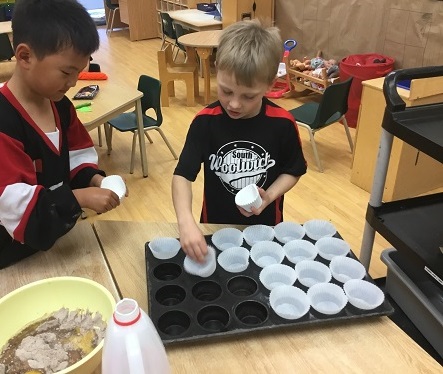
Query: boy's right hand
point(101, 200)
point(193, 242)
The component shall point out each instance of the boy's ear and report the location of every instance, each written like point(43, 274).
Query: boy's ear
point(23, 54)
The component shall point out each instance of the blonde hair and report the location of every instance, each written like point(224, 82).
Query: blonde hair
point(250, 51)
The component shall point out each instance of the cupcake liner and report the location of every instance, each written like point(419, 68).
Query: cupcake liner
point(327, 298)
point(257, 233)
point(227, 238)
point(318, 228)
point(267, 253)
point(204, 269)
point(164, 248)
point(346, 268)
point(328, 248)
point(234, 259)
point(277, 275)
point(299, 250)
point(248, 197)
point(114, 183)
point(363, 294)
point(287, 231)
point(311, 272)
point(289, 302)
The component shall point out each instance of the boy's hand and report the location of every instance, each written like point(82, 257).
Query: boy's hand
point(193, 242)
point(101, 200)
point(256, 211)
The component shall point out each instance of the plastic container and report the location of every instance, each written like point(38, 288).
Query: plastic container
point(362, 67)
point(132, 344)
point(419, 296)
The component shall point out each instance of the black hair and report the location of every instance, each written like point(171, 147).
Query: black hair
point(51, 26)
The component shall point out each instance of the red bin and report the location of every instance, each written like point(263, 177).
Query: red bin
point(362, 67)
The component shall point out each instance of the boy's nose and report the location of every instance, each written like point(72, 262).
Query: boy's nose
point(234, 103)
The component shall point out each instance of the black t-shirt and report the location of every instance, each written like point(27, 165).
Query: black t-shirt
point(238, 152)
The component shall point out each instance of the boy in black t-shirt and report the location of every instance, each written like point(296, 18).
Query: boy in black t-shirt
point(240, 139)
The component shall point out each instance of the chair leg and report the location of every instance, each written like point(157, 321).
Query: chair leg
point(108, 137)
point(348, 134)
point(112, 22)
point(99, 131)
point(314, 148)
point(165, 97)
point(190, 86)
point(134, 142)
point(176, 54)
point(148, 137)
point(166, 141)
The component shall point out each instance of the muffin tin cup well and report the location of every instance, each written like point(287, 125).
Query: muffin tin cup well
point(185, 307)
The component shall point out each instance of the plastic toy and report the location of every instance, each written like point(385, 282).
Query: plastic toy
point(282, 84)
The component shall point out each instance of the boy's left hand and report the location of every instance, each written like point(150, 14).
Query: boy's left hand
point(256, 211)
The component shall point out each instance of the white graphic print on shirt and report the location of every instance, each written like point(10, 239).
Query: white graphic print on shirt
point(240, 163)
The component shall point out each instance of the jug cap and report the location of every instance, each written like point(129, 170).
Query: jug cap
point(127, 312)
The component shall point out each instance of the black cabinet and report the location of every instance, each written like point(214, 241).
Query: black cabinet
point(413, 226)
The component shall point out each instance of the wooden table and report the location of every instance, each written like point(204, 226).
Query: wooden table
point(113, 99)
point(76, 254)
point(6, 27)
point(371, 345)
point(195, 19)
point(203, 42)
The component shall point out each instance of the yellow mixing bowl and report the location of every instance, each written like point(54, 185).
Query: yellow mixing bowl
point(31, 302)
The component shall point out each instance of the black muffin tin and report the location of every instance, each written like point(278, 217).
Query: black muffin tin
point(185, 307)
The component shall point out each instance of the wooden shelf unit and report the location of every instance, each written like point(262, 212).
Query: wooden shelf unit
point(411, 172)
point(139, 15)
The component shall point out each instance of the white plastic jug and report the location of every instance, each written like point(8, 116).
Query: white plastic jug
point(132, 344)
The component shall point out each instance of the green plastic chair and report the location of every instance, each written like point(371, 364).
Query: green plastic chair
point(151, 89)
point(331, 109)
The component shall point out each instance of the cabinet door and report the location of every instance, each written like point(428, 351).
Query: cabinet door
point(264, 10)
point(237, 10)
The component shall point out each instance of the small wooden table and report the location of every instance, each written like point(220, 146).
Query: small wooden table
point(195, 19)
point(6, 27)
point(203, 42)
point(112, 99)
point(366, 346)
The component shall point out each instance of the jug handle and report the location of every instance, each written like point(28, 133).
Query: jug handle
point(135, 359)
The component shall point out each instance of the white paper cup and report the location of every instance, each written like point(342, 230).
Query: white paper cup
point(204, 269)
point(299, 250)
point(227, 238)
point(318, 228)
point(311, 272)
point(234, 259)
point(287, 231)
point(346, 268)
point(289, 302)
point(248, 197)
point(164, 247)
point(114, 183)
point(328, 248)
point(363, 294)
point(267, 253)
point(327, 298)
point(258, 233)
point(277, 275)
